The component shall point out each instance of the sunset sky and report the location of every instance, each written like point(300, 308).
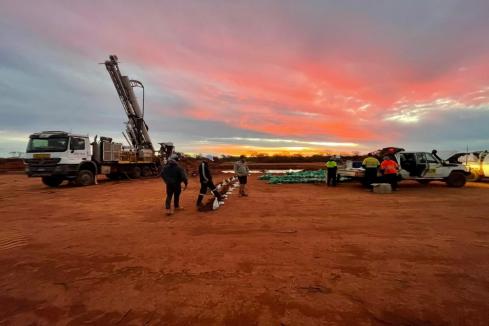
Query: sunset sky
point(252, 76)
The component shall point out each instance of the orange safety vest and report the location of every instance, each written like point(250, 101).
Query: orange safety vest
point(389, 167)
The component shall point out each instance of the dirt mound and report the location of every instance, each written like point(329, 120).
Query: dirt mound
point(11, 164)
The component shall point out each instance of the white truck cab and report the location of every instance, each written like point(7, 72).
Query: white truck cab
point(58, 155)
point(68, 148)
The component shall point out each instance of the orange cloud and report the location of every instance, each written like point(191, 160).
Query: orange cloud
point(247, 150)
point(319, 72)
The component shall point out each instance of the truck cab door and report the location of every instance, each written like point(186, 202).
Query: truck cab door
point(79, 149)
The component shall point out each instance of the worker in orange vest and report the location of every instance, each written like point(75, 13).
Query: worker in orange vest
point(390, 169)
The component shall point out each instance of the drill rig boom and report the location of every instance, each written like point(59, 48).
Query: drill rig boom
point(137, 129)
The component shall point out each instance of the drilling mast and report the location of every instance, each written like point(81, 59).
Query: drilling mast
point(137, 129)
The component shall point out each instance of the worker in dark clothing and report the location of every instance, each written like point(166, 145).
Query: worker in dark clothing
point(371, 166)
point(173, 175)
point(332, 167)
point(206, 181)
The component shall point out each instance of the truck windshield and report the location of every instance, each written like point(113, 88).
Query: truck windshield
point(54, 144)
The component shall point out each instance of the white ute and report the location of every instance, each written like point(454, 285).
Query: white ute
point(476, 162)
point(423, 167)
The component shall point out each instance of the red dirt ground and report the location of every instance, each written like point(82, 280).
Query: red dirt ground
point(286, 255)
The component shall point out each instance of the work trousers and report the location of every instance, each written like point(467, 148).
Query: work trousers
point(203, 190)
point(370, 176)
point(332, 176)
point(391, 178)
point(173, 190)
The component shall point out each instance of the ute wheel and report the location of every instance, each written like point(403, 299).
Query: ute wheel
point(474, 176)
point(424, 182)
point(52, 181)
point(146, 172)
point(85, 178)
point(456, 180)
point(135, 172)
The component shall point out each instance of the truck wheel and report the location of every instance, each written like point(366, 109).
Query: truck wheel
point(456, 180)
point(85, 178)
point(52, 181)
point(474, 176)
point(146, 172)
point(135, 172)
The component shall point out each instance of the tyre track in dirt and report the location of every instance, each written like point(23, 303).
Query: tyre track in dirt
point(11, 240)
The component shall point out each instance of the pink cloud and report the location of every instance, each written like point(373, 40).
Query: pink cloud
point(269, 68)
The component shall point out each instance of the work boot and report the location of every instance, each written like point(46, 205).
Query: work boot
point(169, 211)
point(199, 201)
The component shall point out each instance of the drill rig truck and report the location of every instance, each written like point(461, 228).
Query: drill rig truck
point(56, 156)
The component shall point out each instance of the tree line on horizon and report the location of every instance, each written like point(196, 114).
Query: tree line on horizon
point(284, 158)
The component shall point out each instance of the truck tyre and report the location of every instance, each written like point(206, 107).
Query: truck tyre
point(474, 176)
point(146, 171)
point(456, 180)
point(135, 172)
point(85, 178)
point(52, 181)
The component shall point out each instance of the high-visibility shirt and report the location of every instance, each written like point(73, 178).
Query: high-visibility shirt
point(371, 162)
point(389, 167)
point(331, 164)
